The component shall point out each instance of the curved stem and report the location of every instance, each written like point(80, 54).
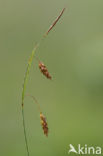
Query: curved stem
point(27, 74)
point(25, 135)
point(23, 93)
point(35, 101)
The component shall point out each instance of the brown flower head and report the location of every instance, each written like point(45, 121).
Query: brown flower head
point(54, 23)
point(44, 70)
point(44, 124)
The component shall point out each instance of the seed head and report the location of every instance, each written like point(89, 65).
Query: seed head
point(44, 70)
point(44, 124)
point(54, 23)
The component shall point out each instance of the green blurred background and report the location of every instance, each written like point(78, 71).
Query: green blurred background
point(73, 53)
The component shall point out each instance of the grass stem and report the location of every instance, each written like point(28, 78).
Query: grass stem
point(26, 142)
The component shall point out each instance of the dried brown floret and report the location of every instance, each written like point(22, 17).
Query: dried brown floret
point(44, 70)
point(54, 23)
point(44, 124)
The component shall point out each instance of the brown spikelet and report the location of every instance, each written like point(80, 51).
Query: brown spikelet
point(44, 70)
point(44, 124)
point(54, 23)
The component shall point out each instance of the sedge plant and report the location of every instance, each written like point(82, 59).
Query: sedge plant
point(45, 72)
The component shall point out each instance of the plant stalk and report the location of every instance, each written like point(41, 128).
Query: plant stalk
point(26, 142)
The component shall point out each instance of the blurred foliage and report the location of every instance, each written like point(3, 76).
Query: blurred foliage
point(73, 53)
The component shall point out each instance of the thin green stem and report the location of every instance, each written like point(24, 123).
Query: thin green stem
point(26, 142)
point(27, 74)
point(23, 93)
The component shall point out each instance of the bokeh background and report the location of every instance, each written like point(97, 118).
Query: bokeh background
point(73, 53)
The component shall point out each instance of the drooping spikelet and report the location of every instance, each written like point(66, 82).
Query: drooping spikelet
point(44, 124)
point(44, 70)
